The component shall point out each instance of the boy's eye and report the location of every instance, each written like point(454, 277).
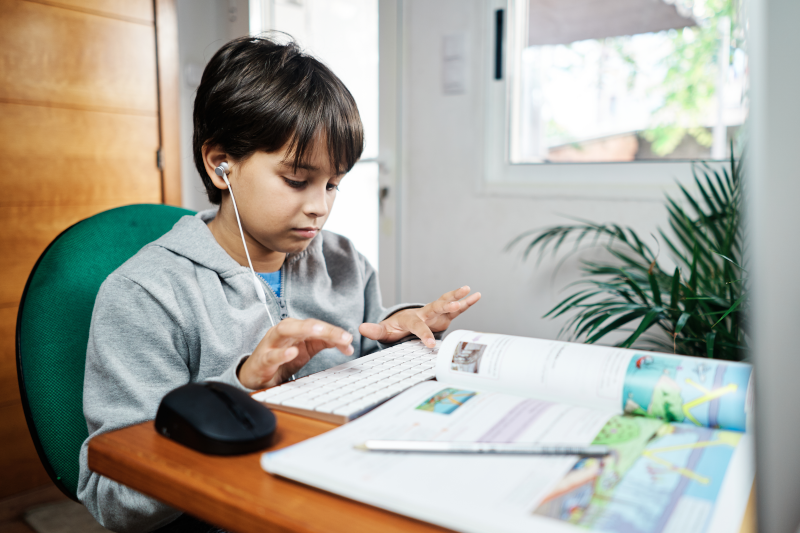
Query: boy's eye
point(333, 187)
point(294, 183)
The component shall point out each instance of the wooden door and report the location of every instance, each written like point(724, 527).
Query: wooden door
point(80, 130)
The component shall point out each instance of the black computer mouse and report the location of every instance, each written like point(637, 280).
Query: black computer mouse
point(215, 418)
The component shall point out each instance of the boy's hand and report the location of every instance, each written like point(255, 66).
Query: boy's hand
point(287, 347)
point(436, 316)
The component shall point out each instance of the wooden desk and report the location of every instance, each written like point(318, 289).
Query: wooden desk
point(235, 494)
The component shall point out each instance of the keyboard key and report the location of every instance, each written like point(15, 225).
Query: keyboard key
point(378, 396)
point(358, 407)
point(341, 369)
point(283, 397)
point(351, 396)
point(261, 396)
point(395, 389)
point(281, 400)
point(292, 385)
point(302, 404)
point(331, 406)
point(328, 397)
point(410, 382)
point(327, 380)
point(369, 389)
point(350, 409)
point(348, 382)
point(313, 393)
point(394, 379)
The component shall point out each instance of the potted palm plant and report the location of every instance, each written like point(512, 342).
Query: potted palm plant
point(699, 305)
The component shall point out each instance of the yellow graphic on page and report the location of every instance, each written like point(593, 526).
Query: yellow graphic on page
point(725, 439)
point(708, 395)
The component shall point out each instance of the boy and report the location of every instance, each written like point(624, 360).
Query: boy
point(185, 308)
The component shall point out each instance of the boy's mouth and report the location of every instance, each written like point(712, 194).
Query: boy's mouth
point(309, 232)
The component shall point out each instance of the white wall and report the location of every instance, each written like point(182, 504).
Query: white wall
point(203, 27)
point(451, 235)
point(774, 192)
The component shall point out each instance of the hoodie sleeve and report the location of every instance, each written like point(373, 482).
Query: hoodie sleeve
point(136, 354)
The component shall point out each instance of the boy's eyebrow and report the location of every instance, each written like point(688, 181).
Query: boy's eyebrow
point(304, 166)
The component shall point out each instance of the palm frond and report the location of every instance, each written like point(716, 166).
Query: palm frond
point(699, 307)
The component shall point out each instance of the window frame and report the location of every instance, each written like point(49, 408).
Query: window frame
point(636, 180)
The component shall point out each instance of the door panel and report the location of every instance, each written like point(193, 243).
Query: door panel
point(70, 58)
point(74, 157)
point(132, 10)
point(80, 129)
point(9, 391)
point(20, 462)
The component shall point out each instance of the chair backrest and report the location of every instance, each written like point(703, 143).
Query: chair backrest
point(53, 326)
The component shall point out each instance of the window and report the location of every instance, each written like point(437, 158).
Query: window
point(613, 82)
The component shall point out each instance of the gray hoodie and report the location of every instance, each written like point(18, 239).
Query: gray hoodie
point(182, 310)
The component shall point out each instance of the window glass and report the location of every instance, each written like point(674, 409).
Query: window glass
point(627, 80)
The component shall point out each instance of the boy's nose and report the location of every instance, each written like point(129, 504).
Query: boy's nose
point(317, 204)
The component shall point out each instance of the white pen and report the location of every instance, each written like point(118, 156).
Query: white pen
point(483, 447)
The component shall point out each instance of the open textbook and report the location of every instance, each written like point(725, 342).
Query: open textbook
point(681, 459)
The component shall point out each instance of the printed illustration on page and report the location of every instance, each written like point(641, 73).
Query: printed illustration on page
point(660, 477)
point(446, 401)
point(468, 356)
point(697, 391)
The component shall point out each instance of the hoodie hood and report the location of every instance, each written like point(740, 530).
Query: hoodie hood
point(191, 238)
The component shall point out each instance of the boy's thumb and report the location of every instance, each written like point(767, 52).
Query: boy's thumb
point(375, 332)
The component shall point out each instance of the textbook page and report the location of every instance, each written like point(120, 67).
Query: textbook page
point(497, 493)
point(659, 478)
point(703, 392)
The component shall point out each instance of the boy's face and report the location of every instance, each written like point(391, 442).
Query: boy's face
point(281, 209)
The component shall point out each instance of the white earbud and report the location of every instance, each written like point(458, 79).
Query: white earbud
point(222, 170)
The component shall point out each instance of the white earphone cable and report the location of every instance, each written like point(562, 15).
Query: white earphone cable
point(259, 289)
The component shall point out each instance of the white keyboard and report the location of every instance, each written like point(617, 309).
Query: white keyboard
point(349, 390)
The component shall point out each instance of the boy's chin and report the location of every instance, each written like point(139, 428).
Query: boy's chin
point(296, 246)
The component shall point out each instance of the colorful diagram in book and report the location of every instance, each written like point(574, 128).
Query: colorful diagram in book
point(446, 401)
point(660, 477)
point(696, 391)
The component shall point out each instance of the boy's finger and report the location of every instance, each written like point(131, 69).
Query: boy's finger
point(421, 330)
point(447, 303)
point(262, 370)
point(465, 304)
point(455, 295)
point(280, 356)
point(376, 332)
point(291, 330)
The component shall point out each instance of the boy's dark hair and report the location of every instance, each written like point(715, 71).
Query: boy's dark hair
point(257, 94)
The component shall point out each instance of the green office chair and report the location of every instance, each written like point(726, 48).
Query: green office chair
point(53, 326)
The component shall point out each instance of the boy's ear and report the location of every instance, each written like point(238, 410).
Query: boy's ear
point(213, 155)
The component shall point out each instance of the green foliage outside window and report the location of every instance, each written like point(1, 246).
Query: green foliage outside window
point(692, 75)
